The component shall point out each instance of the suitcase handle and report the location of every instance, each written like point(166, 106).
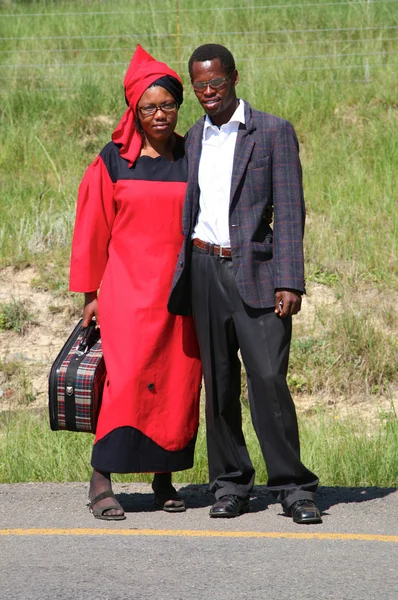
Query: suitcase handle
point(90, 336)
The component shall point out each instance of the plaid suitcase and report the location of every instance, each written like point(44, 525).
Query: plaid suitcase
point(76, 381)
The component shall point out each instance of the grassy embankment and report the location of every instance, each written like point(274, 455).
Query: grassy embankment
point(347, 132)
point(340, 452)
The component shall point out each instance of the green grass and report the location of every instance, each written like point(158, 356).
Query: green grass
point(341, 452)
point(347, 130)
point(58, 108)
point(16, 316)
point(346, 353)
point(16, 384)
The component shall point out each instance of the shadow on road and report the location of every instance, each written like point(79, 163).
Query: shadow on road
point(330, 496)
point(198, 496)
point(194, 495)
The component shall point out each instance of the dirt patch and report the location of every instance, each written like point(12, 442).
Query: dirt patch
point(30, 356)
point(317, 298)
point(25, 360)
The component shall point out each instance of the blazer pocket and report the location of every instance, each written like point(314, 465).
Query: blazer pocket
point(260, 163)
point(262, 250)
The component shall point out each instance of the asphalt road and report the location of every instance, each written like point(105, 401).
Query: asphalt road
point(52, 548)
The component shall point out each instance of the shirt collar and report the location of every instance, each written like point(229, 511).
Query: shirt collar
point(237, 117)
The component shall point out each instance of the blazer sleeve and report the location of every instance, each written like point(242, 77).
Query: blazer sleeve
point(93, 226)
point(289, 210)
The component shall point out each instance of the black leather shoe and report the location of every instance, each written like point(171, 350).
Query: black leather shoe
point(304, 512)
point(229, 506)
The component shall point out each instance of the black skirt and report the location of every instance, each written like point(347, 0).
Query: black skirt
point(127, 450)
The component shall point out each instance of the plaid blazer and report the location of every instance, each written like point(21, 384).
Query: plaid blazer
point(266, 174)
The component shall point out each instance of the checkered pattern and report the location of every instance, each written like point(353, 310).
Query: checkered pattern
point(266, 172)
point(88, 388)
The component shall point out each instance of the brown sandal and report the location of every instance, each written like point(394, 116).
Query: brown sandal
point(98, 513)
point(166, 496)
point(170, 502)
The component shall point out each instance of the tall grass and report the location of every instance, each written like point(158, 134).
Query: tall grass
point(346, 353)
point(330, 68)
point(340, 452)
point(53, 92)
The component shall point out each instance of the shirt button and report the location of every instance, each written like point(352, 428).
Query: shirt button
point(151, 387)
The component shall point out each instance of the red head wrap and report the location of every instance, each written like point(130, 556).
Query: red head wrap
point(142, 72)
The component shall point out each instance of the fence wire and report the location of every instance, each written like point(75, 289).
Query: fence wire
point(186, 47)
point(365, 3)
point(261, 58)
point(286, 84)
point(200, 34)
point(178, 37)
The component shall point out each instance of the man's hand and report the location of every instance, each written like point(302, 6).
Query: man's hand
point(90, 308)
point(287, 303)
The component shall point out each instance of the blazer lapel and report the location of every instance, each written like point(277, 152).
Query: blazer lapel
point(243, 149)
point(193, 155)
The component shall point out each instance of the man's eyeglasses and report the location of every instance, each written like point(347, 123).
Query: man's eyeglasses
point(151, 109)
point(215, 84)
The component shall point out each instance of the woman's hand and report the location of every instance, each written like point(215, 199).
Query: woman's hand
point(90, 308)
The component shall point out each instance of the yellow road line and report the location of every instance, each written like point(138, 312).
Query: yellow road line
point(215, 534)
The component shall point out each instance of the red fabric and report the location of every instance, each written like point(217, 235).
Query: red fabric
point(142, 72)
point(127, 236)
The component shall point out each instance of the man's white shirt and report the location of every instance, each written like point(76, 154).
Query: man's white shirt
point(215, 173)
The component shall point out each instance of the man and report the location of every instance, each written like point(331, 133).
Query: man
point(243, 281)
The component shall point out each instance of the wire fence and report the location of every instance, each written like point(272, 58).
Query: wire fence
point(285, 6)
point(206, 33)
point(253, 58)
point(377, 42)
point(187, 47)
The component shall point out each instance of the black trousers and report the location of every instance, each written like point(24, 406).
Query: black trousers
point(224, 325)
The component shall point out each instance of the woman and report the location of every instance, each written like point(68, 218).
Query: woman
point(126, 240)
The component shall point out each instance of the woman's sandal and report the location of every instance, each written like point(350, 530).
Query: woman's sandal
point(98, 513)
point(169, 501)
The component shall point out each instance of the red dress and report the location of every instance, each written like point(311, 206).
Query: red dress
point(126, 241)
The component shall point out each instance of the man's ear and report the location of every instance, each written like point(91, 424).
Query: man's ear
point(235, 77)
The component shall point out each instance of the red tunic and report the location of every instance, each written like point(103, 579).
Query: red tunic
point(126, 241)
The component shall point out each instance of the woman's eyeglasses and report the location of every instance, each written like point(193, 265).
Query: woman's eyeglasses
point(151, 109)
point(215, 84)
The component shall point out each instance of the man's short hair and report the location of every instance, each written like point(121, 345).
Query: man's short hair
point(210, 52)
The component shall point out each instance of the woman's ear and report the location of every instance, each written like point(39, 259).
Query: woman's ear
point(138, 126)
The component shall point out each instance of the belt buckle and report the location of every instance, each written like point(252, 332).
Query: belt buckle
point(220, 253)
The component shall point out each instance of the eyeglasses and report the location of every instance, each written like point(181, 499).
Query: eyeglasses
point(215, 84)
point(151, 109)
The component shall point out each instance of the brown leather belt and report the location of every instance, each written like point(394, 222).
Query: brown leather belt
point(212, 249)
